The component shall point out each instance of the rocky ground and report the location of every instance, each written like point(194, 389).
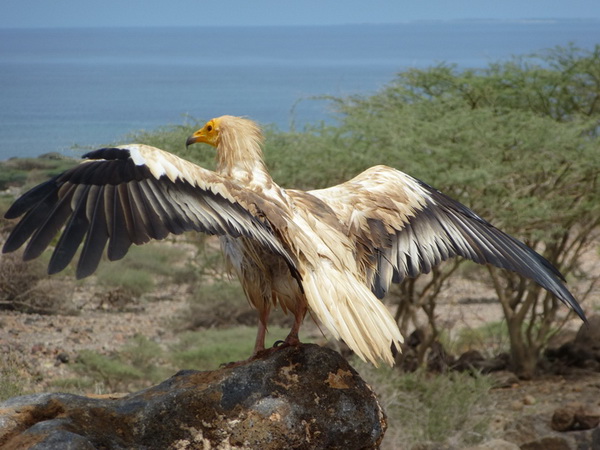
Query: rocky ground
point(543, 413)
point(558, 410)
point(47, 344)
point(523, 410)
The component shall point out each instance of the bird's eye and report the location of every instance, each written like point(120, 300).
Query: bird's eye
point(209, 128)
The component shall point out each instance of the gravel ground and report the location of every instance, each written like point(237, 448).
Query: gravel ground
point(45, 345)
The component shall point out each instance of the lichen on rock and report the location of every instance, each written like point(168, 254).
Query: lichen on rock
point(299, 397)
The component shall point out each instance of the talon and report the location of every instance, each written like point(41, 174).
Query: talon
point(292, 340)
point(279, 344)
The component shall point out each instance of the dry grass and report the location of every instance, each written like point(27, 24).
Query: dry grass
point(24, 287)
point(437, 409)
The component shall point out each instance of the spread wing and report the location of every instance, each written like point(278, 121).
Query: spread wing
point(403, 227)
point(130, 195)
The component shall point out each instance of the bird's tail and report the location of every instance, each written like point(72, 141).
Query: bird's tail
point(351, 312)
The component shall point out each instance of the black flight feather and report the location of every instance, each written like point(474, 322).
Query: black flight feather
point(97, 236)
point(120, 240)
point(501, 250)
point(48, 227)
point(71, 238)
point(31, 199)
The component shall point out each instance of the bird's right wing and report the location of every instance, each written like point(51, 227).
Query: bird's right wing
point(130, 195)
point(403, 227)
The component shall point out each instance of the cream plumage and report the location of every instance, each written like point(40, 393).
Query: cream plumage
point(332, 252)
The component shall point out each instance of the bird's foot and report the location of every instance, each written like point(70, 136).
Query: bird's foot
point(289, 341)
point(278, 345)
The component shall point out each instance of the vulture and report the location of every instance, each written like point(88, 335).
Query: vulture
point(331, 252)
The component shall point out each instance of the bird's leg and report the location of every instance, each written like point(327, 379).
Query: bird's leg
point(263, 318)
point(292, 338)
point(259, 345)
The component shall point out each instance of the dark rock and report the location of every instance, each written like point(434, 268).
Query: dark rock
point(575, 416)
point(469, 360)
point(63, 357)
point(563, 419)
point(438, 359)
point(474, 360)
point(587, 419)
point(589, 334)
point(415, 338)
point(573, 353)
point(497, 363)
point(299, 397)
point(532, 432)
point(584, 350)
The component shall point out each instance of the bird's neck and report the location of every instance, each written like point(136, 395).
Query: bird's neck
point(243, 163)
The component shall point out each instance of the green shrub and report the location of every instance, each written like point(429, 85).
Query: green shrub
point(451, 409)
point(25, 287)
point(10, 177)
point(138, 364)
point(11, 378)
point(142, 362)
point(216, 304)
point(518, 143)
point(75, 385)
point(31, 171)
point(136, 274)
point(491, 338)
point(208, 349)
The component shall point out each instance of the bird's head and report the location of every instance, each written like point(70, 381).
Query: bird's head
point(238, 141)
point(230, 134)
point(209, 134)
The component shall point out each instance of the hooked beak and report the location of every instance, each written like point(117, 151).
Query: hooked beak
point(207, 135)
point(191, 140)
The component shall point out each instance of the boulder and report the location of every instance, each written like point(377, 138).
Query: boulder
point(583, 350)
point(299, 397)
point(575, 416)
point(589, 334)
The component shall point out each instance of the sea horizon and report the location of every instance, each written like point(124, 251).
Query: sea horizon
point(523, 20)
point(64, 88)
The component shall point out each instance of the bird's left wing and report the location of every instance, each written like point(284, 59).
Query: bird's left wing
point(403, 227)
point(132, 194)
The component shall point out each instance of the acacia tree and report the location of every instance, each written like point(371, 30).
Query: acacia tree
point(517, 142)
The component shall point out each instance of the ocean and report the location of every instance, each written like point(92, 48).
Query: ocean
point(62, 89)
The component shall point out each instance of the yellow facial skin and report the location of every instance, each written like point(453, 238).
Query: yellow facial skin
point(208, 134)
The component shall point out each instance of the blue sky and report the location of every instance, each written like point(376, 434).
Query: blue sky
point(82, 13)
